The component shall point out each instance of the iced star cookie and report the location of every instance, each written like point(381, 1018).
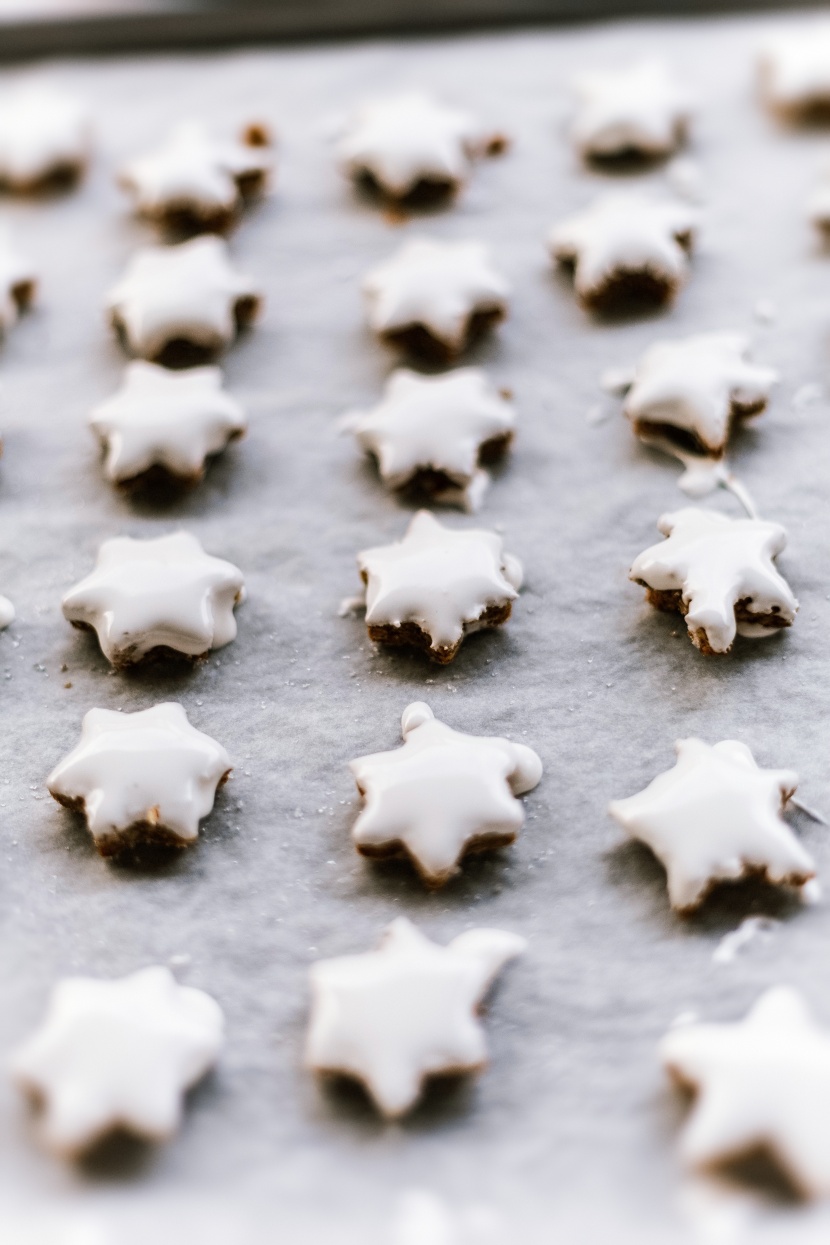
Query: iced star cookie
point(762, 1083)
point(163, 424)
point(716, 817)
point(637, 111)
point(626, 248)
point(18, 283)
point(795, 72)
point(195, 182)
point(691, 393)
point(442, 795)
point(435, 298)
point(437, 585)
point(157, 597)
point(409, 147)
point(145, 777)
point(182, 303)
point(391, 1018)
point(44, 139)
point(434, 435)
point(118, 1055)
point(719, 573)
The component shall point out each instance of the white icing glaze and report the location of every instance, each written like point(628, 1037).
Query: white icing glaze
point(150, 769)
point(440, 578)
point(715, 562)
point(7, 613)
point(17, 282)
point(393, 1017)
point(638, 109)
point(407, 139)
point(762, 1082)
point(42, 133)
point(694, 384)
point(441, 792)
point(194, 172)
point(624, 232)
point(164, 418)
point(437, 285)
point(118, 1054)
point(165, 592)
point(716, 816)
point(433, 423)
point(188, 291)
point(795, 68)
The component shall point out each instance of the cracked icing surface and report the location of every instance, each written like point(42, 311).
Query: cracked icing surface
point(434, 430)
point(626, 242)
point(171, 420)
point(144, 776)
point(698, 385)
point(435, 289)
point(715, 817)
point(761, 1082)
point(638, 109)
point(165, 593)
point(118, 1054)
point(190, 292)
point(719, 572)
point(441, 794)
point(197, 177)
point(442, 581)
point(404, 141)
point(395, 1016)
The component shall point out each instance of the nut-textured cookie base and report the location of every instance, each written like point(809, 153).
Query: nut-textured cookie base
point(420, 341)
point(671, 602)
point(411, 635)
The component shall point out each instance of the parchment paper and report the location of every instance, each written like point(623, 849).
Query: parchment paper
point(570, 1136)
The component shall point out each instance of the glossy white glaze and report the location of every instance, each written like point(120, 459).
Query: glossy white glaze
point(42, 133)
point(439, 285)
point(188, 291)
point(714, 817)
point(639, 108)
point(795, 68)
point(167, 592)
point(441, 578)
point(762, 1082)
point(118, 1054)
point(150, 768)
point(441, 792)
point(436, 423)
point(169, 419)
point(715, 562)
point(7, 613)
point(407, 139)
point(624, 232)
point(395, 1016)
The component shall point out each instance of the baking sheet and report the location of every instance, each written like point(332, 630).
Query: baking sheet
point(571, 1134)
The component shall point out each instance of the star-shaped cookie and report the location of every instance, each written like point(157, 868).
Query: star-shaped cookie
point(432, 435)
point(435, 298)
point(118, 1055)
point(165, 423)
point(437, 585)
point(762, 1083)
point(795, 72)
point(626, 248)
point(719, 573)
point(145, 777)
point(18, 283)
point(409, 146)
point(692, 392)
point(156, 597)
point(638, 110)
point(44, 139)
point(182, 303)
point(441, 795)
point(393, 1017)
point(196, 182)
point(716, 817)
